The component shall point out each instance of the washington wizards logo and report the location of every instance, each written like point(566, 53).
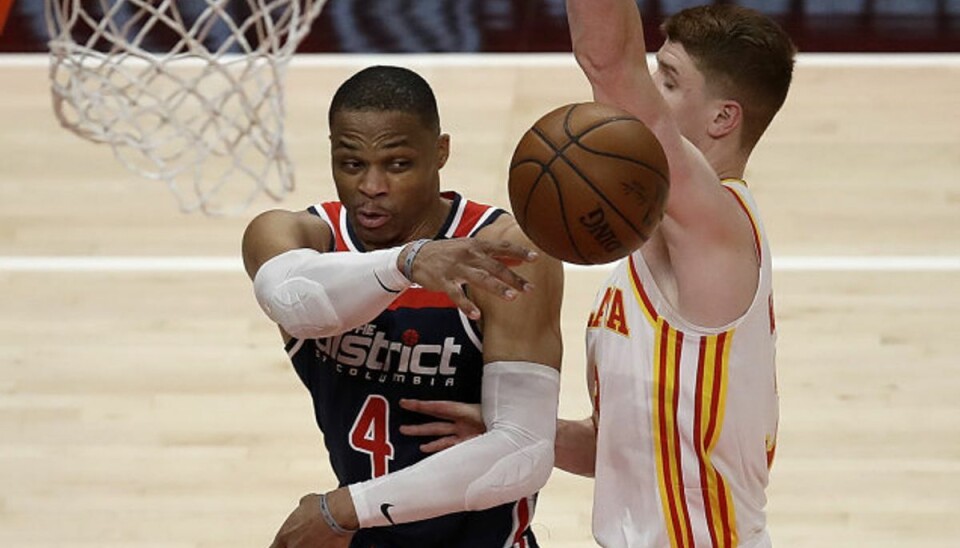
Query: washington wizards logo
point(410, 337)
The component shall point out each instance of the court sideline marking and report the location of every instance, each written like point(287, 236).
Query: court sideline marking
point(896, 263)
point(789, 263)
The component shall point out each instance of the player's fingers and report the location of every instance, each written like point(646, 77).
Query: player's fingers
point(440, 409)
point(427, 407)
point(484, 279)
point(460, 299)
point(428, 429)
point(508, 252)
point(500, 271)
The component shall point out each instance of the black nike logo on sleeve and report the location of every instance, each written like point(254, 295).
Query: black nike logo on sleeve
point(385, 510)
point(385, 288)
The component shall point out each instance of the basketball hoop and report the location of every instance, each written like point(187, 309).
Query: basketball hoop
point(189, 92)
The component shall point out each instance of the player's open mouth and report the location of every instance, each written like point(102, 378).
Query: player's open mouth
point(371, 219)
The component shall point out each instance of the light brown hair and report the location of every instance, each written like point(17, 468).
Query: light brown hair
point(743, 55)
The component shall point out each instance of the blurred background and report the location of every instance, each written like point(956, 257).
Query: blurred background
point(422, 26)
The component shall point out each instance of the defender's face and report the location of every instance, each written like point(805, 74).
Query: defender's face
point(386, 168)
point(684, 88)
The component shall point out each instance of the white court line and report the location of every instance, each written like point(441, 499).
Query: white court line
point(798, 263)
point(559, 59)
point(905, 263)
point(849, 263)
point(120, 264)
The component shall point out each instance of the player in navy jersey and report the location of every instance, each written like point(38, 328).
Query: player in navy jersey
point(400, 291)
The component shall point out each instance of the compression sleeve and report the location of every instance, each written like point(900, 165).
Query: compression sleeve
point(313, 295)
point(512, 460)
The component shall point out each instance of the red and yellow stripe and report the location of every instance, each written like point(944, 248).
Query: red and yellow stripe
point(746, 209)
point(666, 433)
point(645, 305)
point(712, 376)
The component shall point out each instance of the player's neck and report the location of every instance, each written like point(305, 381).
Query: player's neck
point(728, 164)
point(432, 221)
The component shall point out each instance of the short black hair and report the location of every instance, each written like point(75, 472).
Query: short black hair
point(386, 88)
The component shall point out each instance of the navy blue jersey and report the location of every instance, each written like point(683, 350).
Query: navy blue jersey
point(421, 347)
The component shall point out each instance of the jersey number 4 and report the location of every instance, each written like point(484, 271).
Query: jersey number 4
point(370, 434)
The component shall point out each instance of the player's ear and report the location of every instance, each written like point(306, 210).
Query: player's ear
point(727, 117)
point(443, 149)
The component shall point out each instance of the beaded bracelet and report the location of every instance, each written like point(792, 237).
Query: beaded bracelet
point(328, 517)
point(411, 255)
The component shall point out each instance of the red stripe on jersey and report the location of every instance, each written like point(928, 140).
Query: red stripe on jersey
point(773, 316)
point(728, 536)
point(523, 521)
point(685, 511)
point(645, 300)
point(667, 411)
point(727, 524)
point(418, 297)
point(472, 213)
point(700, 445)
point(333, 211)
point(717, 386)
point(753, 222)
point(771, 453)
point(596, 395)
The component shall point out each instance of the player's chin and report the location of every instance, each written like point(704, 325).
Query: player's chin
point(379, 237)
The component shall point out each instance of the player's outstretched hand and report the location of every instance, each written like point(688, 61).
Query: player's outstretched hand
point(448, 265)
point(459, 422)
point(306, 528)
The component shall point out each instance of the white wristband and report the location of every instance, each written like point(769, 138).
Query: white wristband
point(411, 256)
point(331, 521)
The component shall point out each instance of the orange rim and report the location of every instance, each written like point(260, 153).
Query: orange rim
point(5, 6)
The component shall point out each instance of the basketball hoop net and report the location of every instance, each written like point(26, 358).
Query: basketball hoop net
point(189, 92)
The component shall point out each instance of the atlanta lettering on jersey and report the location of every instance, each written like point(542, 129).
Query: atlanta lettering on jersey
point(367, 352)
point(610, 314)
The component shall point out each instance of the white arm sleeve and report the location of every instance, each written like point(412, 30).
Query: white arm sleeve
point(512, 460)
point(312, 294)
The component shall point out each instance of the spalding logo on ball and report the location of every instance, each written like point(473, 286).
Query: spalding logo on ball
point(588, 183)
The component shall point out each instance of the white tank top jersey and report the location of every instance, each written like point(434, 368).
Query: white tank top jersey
point(686, 416)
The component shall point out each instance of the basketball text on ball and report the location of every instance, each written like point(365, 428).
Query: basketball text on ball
point(602, 233)
point(588, 183)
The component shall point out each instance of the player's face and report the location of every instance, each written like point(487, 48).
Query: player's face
point(684, 88)
point(386, 166)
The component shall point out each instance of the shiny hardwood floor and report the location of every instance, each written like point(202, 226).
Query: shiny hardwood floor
point(150, 404)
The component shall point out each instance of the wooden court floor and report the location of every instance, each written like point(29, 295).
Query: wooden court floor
point(146, 402)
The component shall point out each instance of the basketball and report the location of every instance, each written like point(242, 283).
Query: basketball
point(588, 183)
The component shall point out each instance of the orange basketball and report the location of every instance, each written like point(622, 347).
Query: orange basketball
point(588, 183)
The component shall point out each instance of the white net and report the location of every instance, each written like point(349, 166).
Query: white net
point(189, 92)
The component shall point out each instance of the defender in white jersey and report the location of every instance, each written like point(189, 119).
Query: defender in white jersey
point(681, 339)
point(686, 415)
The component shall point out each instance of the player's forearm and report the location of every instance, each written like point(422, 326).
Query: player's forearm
point(607, 37)
point(312, 294)
point(608, 43)
point(512, 460)
point(576, 447)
